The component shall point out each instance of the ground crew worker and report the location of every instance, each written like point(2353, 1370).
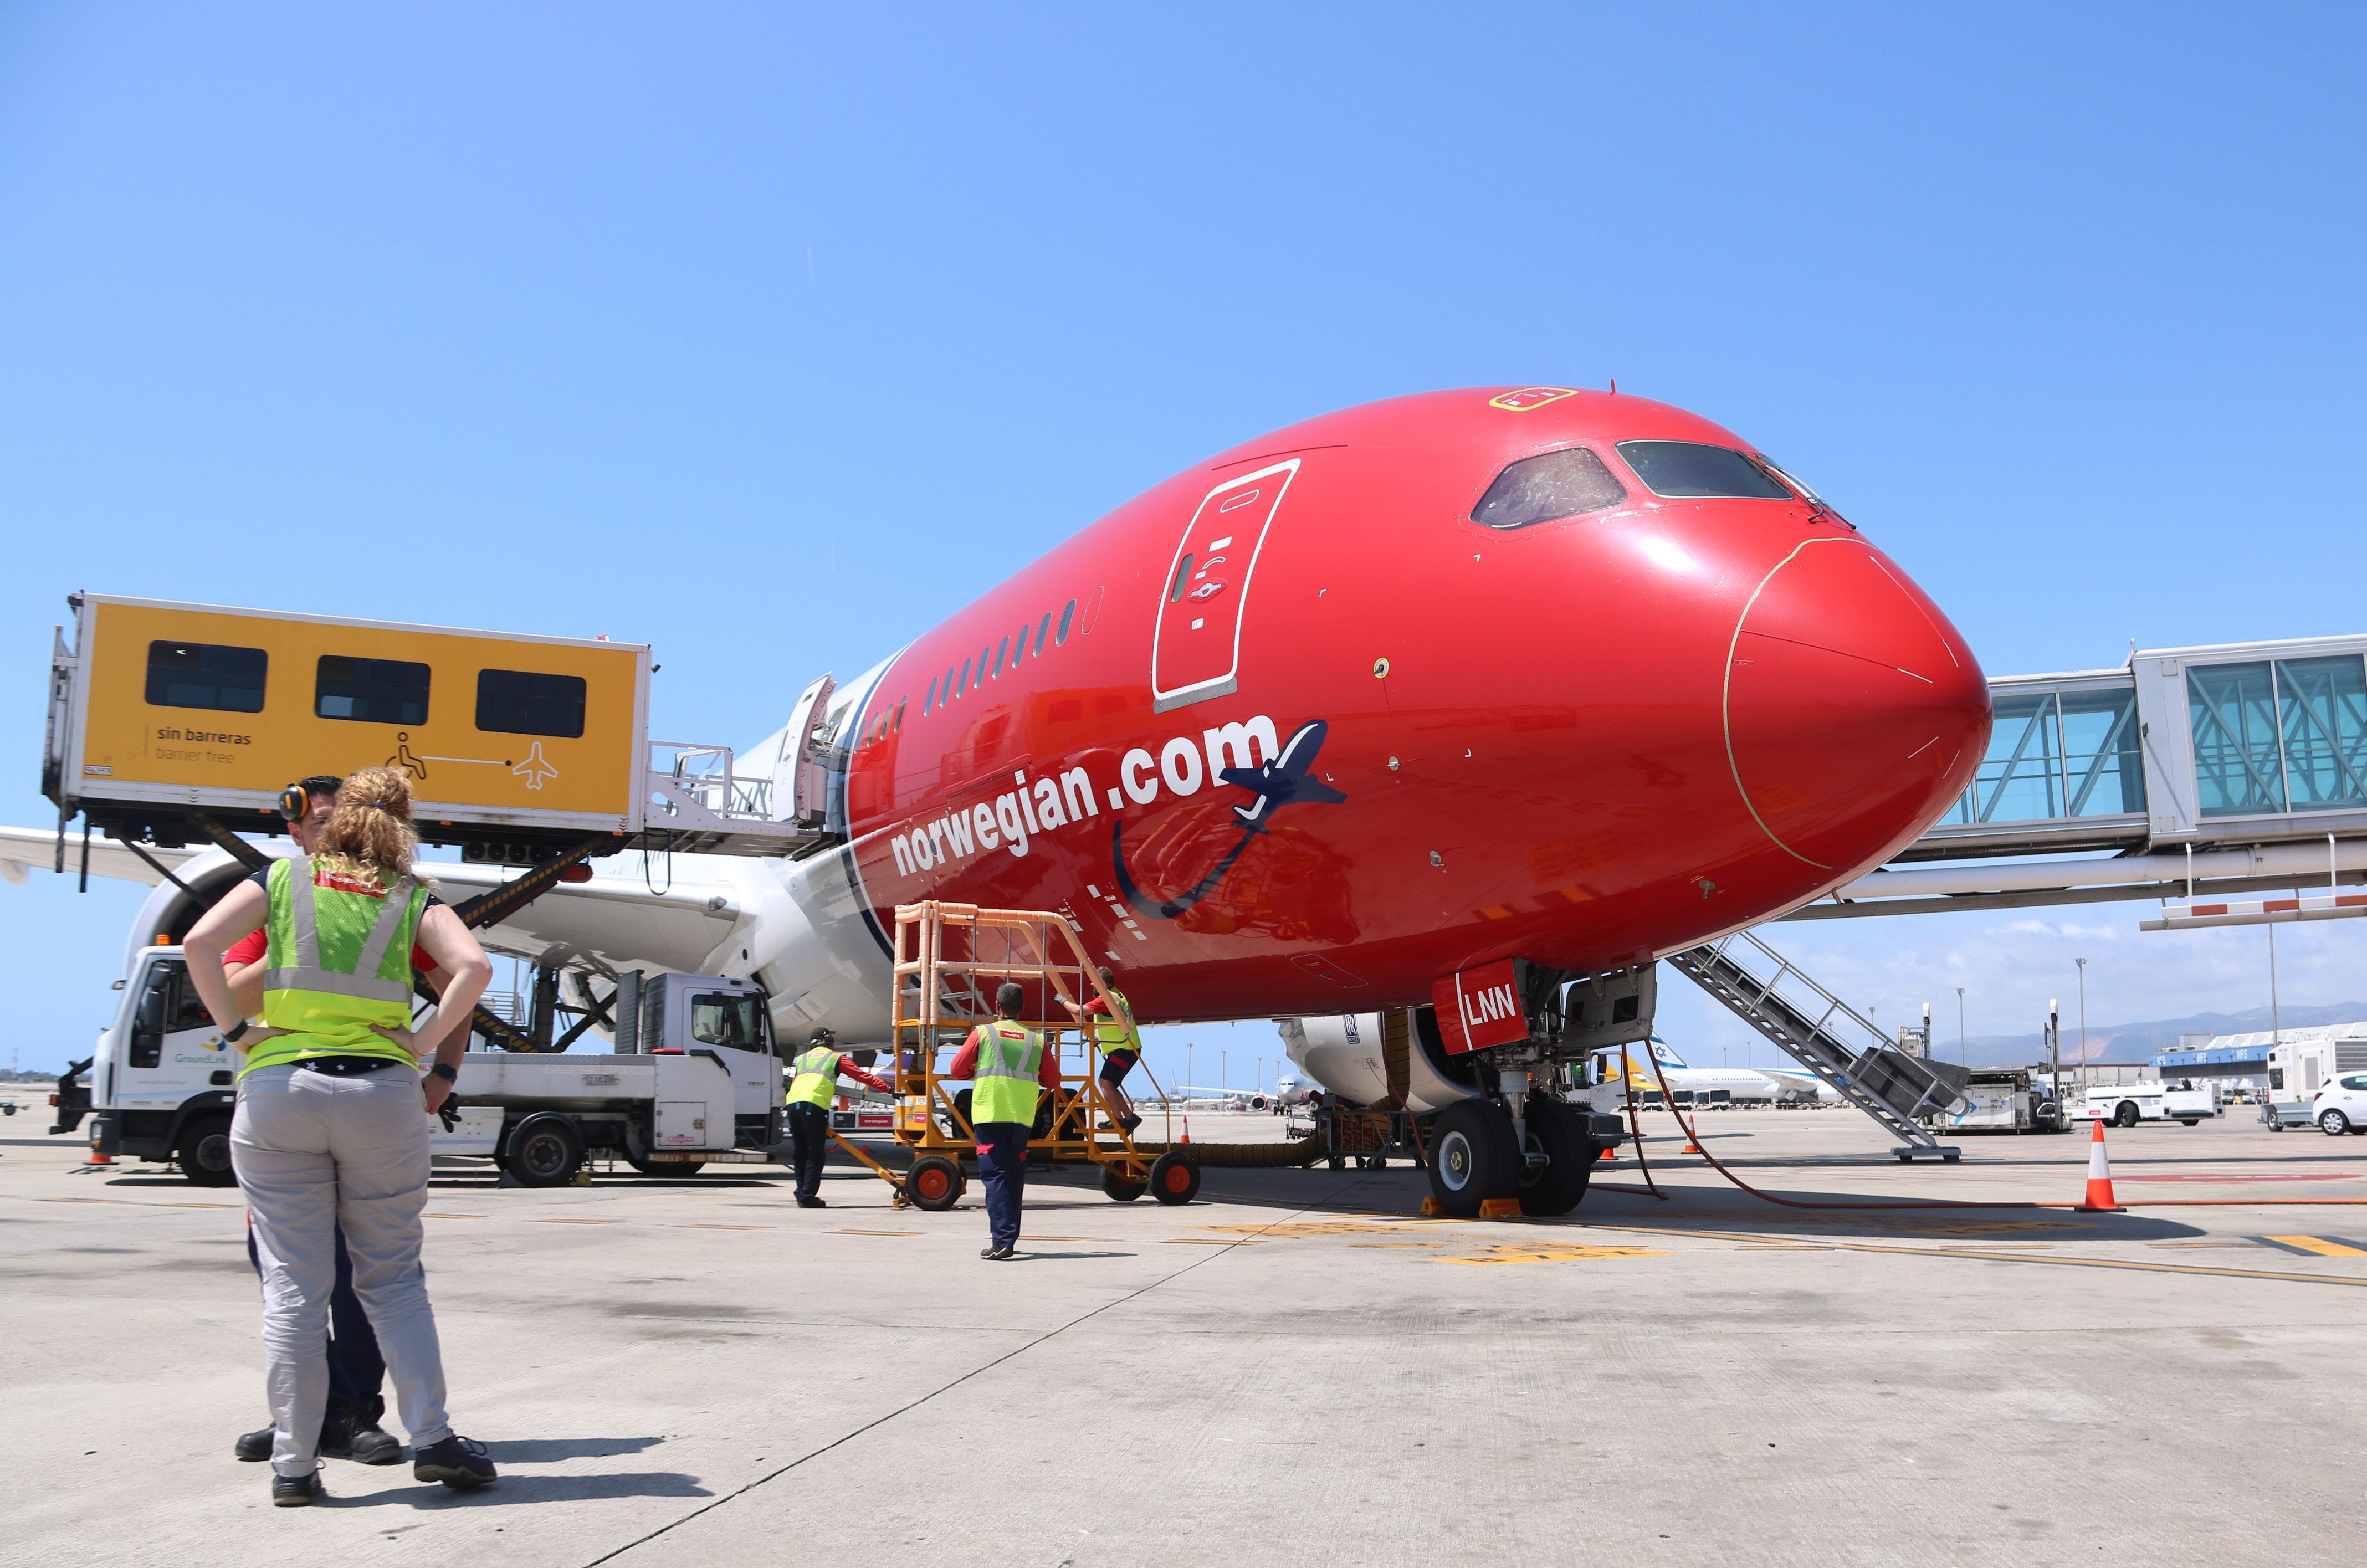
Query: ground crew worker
point(350, 1429)
point(814, 1080)
point(1008, 1069)
point(329, 1127)
point(1120, 1043)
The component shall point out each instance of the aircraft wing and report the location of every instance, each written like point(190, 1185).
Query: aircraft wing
point(24, 849)
point(1800, 1082)
point(627, 914)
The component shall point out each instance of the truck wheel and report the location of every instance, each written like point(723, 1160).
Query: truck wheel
point(2334, 1124)
point(2190, 1121)
point(1175, 1178)
point(1471, 1158)
point(204, 1152)
point(2125, 1114)
point(935, 1183)
point(1119, 1187)
point(544, 1150)
point(1569, 1160)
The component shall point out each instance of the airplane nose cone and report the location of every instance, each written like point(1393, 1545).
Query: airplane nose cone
point(1854, 713)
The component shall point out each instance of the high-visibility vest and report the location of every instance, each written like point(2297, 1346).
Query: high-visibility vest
point(816, 1078)
point(1114, 1035)
point(1005, 1086)
point(338, 968)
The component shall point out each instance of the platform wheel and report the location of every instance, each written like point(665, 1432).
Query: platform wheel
point(1120, 1188)
point(544, 1150)
point(204, 1152)
point(1471, 1158)
point(1175, 1178)
point(935, 1183)
point(1337, 1163)
point(1569, 1150)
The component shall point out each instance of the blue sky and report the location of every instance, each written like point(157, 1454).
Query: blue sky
point(770, 334)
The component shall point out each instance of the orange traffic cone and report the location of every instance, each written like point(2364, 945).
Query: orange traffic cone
point(1608, 1154)
point(98, 1159)
point(2099, 1176)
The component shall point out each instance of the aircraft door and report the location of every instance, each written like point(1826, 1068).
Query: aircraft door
point(1196, 646)
point(801, 783)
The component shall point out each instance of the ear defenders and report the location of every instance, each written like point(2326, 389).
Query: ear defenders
point(294, 801)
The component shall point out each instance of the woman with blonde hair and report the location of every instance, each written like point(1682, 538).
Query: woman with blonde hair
point(332, 1122)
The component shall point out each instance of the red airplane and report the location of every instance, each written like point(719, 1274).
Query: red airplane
point(1568, 676)
point(1446, 700)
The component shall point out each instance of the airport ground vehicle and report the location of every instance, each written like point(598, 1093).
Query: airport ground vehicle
point(2125, 1104)
point(2003, 1099)
point(2341, 1106)
point(699, 1082)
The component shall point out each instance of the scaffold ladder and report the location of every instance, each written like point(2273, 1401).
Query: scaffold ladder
point(1750, 980)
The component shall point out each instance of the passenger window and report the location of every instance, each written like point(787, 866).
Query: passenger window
point(1182, 571)
point(929, 700)
point(206, 675)
point(1540, 489)
point(1001, 648)
point(371, 691)
point(1698, 471)
point(897, 728)
point(517, 702)
point(1067, 615)
point(963, 688)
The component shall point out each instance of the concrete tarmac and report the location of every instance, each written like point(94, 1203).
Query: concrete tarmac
point(1292, 1370)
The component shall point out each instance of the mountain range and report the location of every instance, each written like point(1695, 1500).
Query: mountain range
point(2138, 1042)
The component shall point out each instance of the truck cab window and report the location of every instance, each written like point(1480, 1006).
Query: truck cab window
point(206, 675)
point(1550, 486)
point(719, 1018)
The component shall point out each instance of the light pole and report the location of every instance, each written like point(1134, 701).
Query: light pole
point(2083, 1021)
point(1962, 1053)
point(1187, 1072)
point(1224, 1074)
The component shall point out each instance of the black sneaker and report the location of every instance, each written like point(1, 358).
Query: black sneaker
point(1132, 1122)
point(253, 1447)
point(296, 1491)
point(456, 1461)
point(352, 1432)
point(998, 1255)
point(814, 1203)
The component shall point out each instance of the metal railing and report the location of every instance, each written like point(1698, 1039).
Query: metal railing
point(1889, 1085)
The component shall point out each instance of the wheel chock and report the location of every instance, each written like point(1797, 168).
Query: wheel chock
point(1500, 1209)
point(1429, 1209)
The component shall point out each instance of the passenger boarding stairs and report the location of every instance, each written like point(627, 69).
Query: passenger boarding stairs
point(1814, 1027)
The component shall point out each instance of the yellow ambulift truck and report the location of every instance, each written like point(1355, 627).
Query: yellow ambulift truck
point(175, 724)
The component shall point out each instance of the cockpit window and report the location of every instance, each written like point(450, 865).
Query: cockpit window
point(1695, 469)
point(1540, 489)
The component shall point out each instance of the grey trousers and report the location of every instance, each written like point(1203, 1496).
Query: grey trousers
point(315, 1151)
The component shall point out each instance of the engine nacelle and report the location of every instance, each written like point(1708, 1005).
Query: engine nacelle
point(1343, 1052)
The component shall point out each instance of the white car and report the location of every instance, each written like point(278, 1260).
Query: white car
point(2341, 1106)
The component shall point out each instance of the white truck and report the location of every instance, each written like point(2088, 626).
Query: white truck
point(2125, 1104)
point(702, 1083)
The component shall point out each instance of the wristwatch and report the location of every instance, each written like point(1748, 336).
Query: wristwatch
point(445, 1070)
point(231, 1036)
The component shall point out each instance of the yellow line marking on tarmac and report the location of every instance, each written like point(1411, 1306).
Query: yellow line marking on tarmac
point(1324, 1227)
point(1419, 1247)
point(432, 1216)
point(1554, 1253)
point(2321, 1247)
point(82, 1200)
point(1210, 1242)
point(2051, 1258)
point(700, 1227)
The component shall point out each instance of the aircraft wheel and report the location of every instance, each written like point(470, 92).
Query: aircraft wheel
point(544, 1150)
point(1175, 1178)
point(935, 1183)
point(1119, 1187)
point(1569, 1159)
point(1471, 1158)
point(204, 1152)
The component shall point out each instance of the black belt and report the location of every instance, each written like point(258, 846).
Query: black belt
point(344, 1066)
